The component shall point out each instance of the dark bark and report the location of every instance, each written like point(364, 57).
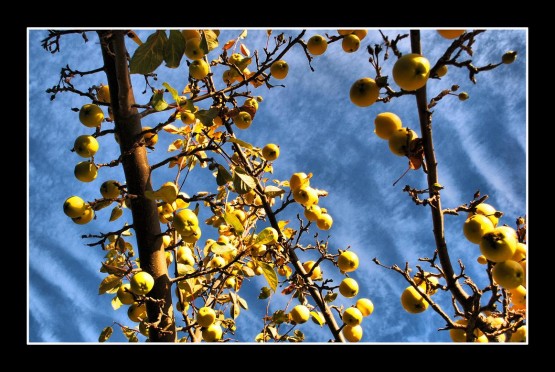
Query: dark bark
point(137, 176)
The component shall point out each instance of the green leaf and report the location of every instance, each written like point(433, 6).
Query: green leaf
point(116, 303)
point(105, 334)
point(116, 213)
point(208, 41)
point(173, 91)
point(110, 282)
point(113, 269)
point(265, 292)
point(235, 309)
point(101, 204)
point(317, 318)
point(128, 332)
point(241, 143)
point(158, 101)
point(150, 54)
point(242, 182)
point(174, 49)
point(267, 236)
point(232, 220)
point(279, 317)
point(206, 116)
point(242, 303)
point(223, 176)
point(330, 296)
point(269, 273)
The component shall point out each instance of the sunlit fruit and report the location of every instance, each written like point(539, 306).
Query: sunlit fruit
point(411, 71)
point(399, 141)
point(429, 285)
point(361, 33)
point(74, 206)
point(364, 92)
point(185, 222)
point(251, 102)
point(352, 316)
point(317, 45)
point(279, 69)
point(193, 50)
point(345, 32)
point(86, 217)
point(141, 283)
point(508, 274)
point(85, 171)
point(348, 287)
point(442, 71)
point(125, 295)
point(85, 146)
point(387, 123)
point(316, 273)
point(137, 312)
point(150, 138)
point(352, 333)
point(206, 316)
point(475, 227)
point(270, 152)
point(285, 271)
point(347, 261)
point(103, 94)
point(198, 69)
point(212, 333)
point(519, 335)
point(110, 189)
point(482, 260)
point(459, 334)
point(91, 115)
point(518, 297)
point(300, 314)
point(520, 252)
point(324, 222)
point(190, 34)
point(451, 34)
point(243, 120)
point(488, 211)
point(365, 306)
point(306, 196)
point(412, 301)
point(350, 43)
point(498, 245)
point(312, 212)
point(298, 180)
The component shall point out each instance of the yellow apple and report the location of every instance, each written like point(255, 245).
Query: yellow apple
point(86, 217)
point(74, 206)
point(193, 237)
point(252, 102)
point(352, 316)
point(212, 333)
point(475, 227)
point(316, 273)
point(270, 152)
point(387, 123)
point(187, 117)
point(110, 189)
point(298, 180)
point(125, 295)
point(411, 71)
point(324, 222)
point(103, 94)
point(243, 120)
point(306, 196)
point(347, 261)
point(412, 301)
point(430, 285)
point(451, 34)
point(185, 222)
point(279, 69)
point(190, 34)
point(520, 252)
point(482, 260)
point(364, 92)
point(91, 115)
point(442, 71)
point(85, 146)
point(150, 138)
point(518, 297)
point(360, 33)
point(498, 245)
point(352, 333)
point(285, 271)
point(206, 316)
point(350, 43)
point(345, 32)
point(136, 312)
point(317, 45)
point(217, 262)
point(193, 50)
point(523, 265)
point(198, 69)
point(312, 213)
point(519, 335)
point(488, 211)
point(399, 142)
point(508, 274)
point(299, 314)
point(85, 171)
point(459, 334)
point(141, 283)
point(348, 288)
point(365, 306)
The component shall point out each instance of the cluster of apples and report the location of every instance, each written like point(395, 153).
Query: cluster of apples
point(412, 301)
point(388, 126)
point(82, 212)
point(244, 118)
point(308, 197)
point(86, 146)
point(211, 329)
point(499, 245)
point(132, 294)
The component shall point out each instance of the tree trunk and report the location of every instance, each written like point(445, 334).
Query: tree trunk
point(137, 175)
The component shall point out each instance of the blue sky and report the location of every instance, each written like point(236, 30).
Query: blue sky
point(480, 144)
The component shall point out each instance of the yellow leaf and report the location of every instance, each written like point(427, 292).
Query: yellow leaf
point(177, 144)
point(269, 273)
point(288, 232)
point(116, 213)
point(243, 34)
point(282, 224)
point(116, 303)
point(245, 50)
point(171, 129)
point(109, 283)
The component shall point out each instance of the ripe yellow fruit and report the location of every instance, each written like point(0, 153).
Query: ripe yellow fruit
point(412, 301)
point(74, 206)
point(350, 43)
point(482, 260)
point(324, 222)
point(206, 316)
point(499, 244)
point(190, 34)
point(187, 117)
point(442, 71)
point(345, 32)
point(252, 102)
point(352, 316)
point(360, 33)
point(459, 335)
point(364, 92)
point(150, 138)
point(85, 146)
point(169, 257)
point(451, 34)
point(306, 196)
point(399, 141)
point(103, 94)
point(299, 314)
point(508, 274)
point(411, 71)
point(518, 297)
point(298, 180)
point(387, 123)
point(125, 295)
point(519, 335)
point(430, 285)
point(193, 50)
point(217, 262)
point(520, 252)
point(109, 189)
point(141, 283)
point(347, 261)
point(317, 45)
point(91, 115)
point(488, 211)
point(136, 312)
point(185, 222)
point(348, 288)
point(279, 69)
point(271, 232)
point(475, 227)
point(243, 120)
point(365, 306)
point(270, 152)
point(285, 271)
point(198, 69)
point(316, 273)
point(86, 217)
point(193, 237)
point(313, 212)
point(212, 333)
point(85, 171)
point(352, 333)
